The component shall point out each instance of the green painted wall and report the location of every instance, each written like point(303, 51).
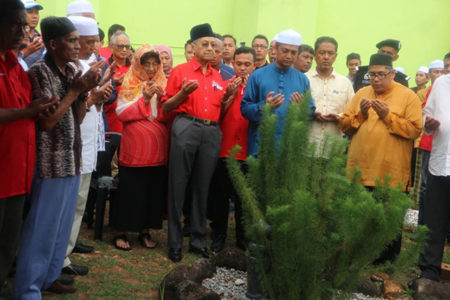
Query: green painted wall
point(422, 26)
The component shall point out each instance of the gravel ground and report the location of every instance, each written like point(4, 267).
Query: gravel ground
point(230, 284)
point(411, 217)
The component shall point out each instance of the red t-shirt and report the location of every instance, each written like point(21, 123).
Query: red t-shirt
point(115, 125)
point(206, 101)
point(17, 139)
point(234, 128)
point(426, 141)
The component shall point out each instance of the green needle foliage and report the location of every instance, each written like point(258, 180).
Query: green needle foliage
point(319, 229)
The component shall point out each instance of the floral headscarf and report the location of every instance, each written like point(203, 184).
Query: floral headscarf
point(136, 78)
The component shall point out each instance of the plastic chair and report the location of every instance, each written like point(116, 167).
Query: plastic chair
point(103, 185)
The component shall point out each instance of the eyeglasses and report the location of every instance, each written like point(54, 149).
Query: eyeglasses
point(379, 75)
point(260, 46)
point(127, 47)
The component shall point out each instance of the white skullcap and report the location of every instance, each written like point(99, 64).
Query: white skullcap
point(436, 64)
point(400, 70)
point(289, 37)
point(79, 7)
point(423, 69)
point(85, 26)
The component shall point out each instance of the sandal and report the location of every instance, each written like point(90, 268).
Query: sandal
point(143, 237)
point(122, 237)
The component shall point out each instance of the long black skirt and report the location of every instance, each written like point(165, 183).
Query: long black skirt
point(139, 203)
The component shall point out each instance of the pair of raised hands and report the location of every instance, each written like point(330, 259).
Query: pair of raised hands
point(277, 100)
point(380, 107)
point(150, 89)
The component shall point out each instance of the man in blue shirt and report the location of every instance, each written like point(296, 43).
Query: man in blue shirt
point(225, 71)
point(278, 84)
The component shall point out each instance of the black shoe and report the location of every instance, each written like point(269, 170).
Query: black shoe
point(175, 254)
point(65, 279)
point(218, 243)
point(59, 288)
point(75, 270)
point(82, 248)
point(203, 251)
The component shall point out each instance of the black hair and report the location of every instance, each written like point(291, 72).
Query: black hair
point(447, 56)
point(260, 36)
point(353, 55)
point(101, 34)
point(114, 28)
point(231, 37)
point(244, 49)
point(9, 6)
point(325, 39)
point(147, 55)
point(305, 47)
point(188, 42)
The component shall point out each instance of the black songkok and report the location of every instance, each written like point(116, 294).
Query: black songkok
point(55, 27)
point(353, 56)
point(380, 59)
point(390, 43)
point(200, 31)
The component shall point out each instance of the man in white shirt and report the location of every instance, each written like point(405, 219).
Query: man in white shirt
point(331, 92)
point(437, 206)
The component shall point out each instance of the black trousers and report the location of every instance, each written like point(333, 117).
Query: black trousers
point(11, 210)
point(221, 192)
point(436, 218)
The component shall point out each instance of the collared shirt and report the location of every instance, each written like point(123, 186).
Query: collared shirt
point(438, 107)
point(17, 138)
point(260, 83)
point(226, 72)
point(206, 101)
point(234, 128)
point(380, 147)
point(105, 52)
point(265, 64)
point(330, 95)
point(114, 124)
point(58, 150)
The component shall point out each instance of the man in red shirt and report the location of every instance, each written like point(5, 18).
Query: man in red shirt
point(195, 92)
point(234, 132)
point(17, 132)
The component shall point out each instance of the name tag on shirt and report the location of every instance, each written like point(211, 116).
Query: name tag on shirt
point(215, 85)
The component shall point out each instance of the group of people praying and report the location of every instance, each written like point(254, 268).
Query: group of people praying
point(62, 92)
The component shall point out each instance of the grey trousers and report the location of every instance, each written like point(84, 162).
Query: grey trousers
point(11, 214)
point(194, 151)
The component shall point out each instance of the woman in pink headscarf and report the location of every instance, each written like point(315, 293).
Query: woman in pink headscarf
point(165, 54)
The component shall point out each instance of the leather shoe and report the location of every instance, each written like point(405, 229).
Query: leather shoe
point(202, 251)
point(175, 254)
point(75, 270)
point(59, 288)
point(218, 243)
point(82, 248)
point(65, 279)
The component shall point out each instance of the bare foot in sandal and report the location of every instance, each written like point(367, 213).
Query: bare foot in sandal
point(146, 240)
point(121, 242)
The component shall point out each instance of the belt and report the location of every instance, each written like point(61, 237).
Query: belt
point(200, 120)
